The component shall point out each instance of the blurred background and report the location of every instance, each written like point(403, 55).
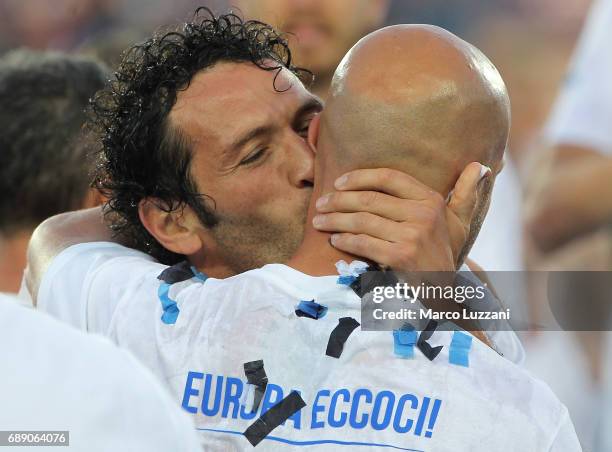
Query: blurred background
point(530, 41)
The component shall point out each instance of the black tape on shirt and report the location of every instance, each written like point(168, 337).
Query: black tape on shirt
point(430, 352)
point(373, 277)
point(177, 273)
point(256, 375)
point(274, 417)
point(340, 334)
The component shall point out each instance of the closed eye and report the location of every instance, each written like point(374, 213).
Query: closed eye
point(253, 157)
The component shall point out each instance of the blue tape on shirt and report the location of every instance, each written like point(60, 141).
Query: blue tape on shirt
point(310, 309)
point(459, 351)
point(198, 274)
point(350, 272)
point(171, 310)
point(346, 280)
point(404, 340)
point(180, 272)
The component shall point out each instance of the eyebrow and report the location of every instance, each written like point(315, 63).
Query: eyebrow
point(312, 104)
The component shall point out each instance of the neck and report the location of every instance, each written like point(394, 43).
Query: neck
point(13, 260)
point(316, 256)
point(211, 267)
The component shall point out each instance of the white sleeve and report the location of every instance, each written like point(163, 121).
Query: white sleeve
point(583, 113)
point(566, 439)
point(65, 290)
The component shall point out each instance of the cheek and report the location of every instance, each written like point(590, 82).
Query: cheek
point(255, 193)
point(275, 203)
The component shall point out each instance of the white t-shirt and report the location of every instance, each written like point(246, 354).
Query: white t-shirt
point(583, 113)
point(585, 400)
point(56, 378)
point(367, 397)
point(85, 283)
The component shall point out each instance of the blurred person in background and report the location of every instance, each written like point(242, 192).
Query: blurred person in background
point(320, 31)
point(44, 168)
point(568, 215)
point(57, 24)
point(576, 197)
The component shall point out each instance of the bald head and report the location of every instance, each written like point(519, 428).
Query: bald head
point(418, 99)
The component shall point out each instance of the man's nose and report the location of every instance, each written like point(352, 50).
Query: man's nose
point(301, 161)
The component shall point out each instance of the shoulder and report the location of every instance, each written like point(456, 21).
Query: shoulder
point(102, 392)
point(255, 281)
point(79, 265)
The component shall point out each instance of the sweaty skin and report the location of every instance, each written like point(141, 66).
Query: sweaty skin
point(413, 98)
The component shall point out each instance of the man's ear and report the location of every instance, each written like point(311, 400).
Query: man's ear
point(313, 132)
point(175, 230)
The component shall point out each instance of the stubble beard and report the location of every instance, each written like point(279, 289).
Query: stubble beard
point(252, 241)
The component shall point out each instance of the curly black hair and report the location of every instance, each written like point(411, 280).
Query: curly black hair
point(141, 154)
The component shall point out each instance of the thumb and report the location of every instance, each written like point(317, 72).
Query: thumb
point(464, 196)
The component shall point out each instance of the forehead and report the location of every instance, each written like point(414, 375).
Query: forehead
point(230, 98)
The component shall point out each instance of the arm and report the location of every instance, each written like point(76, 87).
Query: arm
point(58, 233)
point(575, 197)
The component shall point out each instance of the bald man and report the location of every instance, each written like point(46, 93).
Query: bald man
point(275, 355)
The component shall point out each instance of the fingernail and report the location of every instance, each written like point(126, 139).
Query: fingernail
point(322, 201)
point(333, 239)
point(340, 182)
point(484, 171)
point(318, 221)
point(450, 195)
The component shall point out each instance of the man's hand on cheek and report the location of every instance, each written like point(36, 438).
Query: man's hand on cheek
point(389, 217)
